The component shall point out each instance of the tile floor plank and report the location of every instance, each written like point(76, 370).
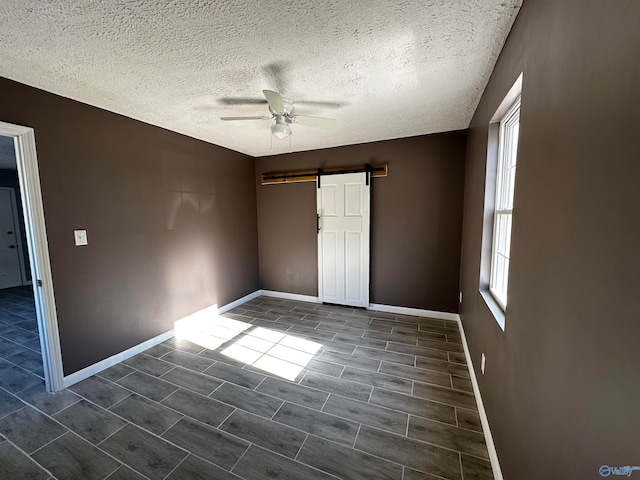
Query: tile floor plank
point(339, 461)
point(476, 469)
point(413, 373)
point(29, 429)
point(144, 452)
point(469, 419)
point(15, 379)
point(367, 414)
point(338, 386)
point(235, 375)
point(205, 409)
point(194, 468)
point(90, 421)
point(69, 458)
point(418, 351)
point(115, 373)
point(207, 442)
point(266, 433)
point(16, 465)
point(148, 386)
point(146, 414)
point(443, 366)
point(125, 473)
point(249, 400)
point(413, 405)
point(325, 368)
point(350, 360)
point(100, 391)
point(258, 464)
point(390, 382)
point(9, 403)
point(412, 453)
point(49, 403)
point(448, 436)
point(384, 355)
point(317, 423)
point(294, 393)
point(148, 364)
point(445, 395)
point(196, 382)
point(187, 360)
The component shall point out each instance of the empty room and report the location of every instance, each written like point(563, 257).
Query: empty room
point(319, 240)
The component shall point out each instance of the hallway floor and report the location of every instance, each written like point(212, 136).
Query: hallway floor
point(19, 340)
point(272, 389)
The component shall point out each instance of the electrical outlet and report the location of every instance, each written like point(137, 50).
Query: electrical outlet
point(482, 363)
point(460, 297)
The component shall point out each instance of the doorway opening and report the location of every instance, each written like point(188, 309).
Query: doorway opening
point(29, 341)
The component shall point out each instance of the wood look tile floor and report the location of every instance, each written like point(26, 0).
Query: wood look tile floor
point(19, 341)
point(272, 389)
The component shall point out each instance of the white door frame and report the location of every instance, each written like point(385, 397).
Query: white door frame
point(18, 236)
point(24, 141)
point(366, 253)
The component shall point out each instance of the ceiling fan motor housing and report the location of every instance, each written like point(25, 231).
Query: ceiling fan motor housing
point(288, 108)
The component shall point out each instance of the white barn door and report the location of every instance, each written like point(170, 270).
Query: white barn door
point(343, 239)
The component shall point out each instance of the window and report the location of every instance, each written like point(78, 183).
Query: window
point(503, 210)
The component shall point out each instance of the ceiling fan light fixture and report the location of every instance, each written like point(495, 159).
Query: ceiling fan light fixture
point(281, 110)
point(280, 129)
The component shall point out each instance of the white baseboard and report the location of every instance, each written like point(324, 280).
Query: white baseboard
point(240, 301)
point(417, 312)
point(141, 347)
point(373, 306)
point(493, 454)
point(117, 358)
point(290, 296)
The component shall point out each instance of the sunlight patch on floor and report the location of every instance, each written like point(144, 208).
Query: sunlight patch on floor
point(207, 329)
point(269, 350)
point(272, 351)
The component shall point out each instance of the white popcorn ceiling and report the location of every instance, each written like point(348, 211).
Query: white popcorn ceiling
point(384, 69)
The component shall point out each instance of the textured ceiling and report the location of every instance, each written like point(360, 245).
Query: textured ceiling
point(385, 69)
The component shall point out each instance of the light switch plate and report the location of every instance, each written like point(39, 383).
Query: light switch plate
point(80, 237)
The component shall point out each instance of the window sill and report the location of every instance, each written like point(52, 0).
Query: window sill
point(494, 308)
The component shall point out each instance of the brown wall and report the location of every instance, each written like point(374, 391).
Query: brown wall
point(171, 222)
point(415, 223)
point(562, 386)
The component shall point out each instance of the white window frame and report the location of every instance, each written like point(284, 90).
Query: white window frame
point(503, 210)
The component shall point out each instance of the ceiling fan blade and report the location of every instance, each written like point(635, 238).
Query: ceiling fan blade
point(241, 101)
point(320, 122)
point(275, 101)
point(262, 117)
point(319, 103)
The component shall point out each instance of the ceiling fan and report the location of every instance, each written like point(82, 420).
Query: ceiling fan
point(281, 108)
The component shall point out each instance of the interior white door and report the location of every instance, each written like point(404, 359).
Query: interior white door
point(343, 239)
point(10, 273)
